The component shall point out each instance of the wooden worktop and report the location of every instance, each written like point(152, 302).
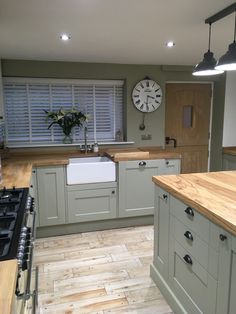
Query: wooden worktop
point(8, 273)
point(229, 150)
point(17, 168)
point(140, 153)
point(213, 194)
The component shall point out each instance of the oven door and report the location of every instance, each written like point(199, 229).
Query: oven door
point(28, 304)
point(27, 281)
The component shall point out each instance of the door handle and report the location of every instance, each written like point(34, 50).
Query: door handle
point(169, 139)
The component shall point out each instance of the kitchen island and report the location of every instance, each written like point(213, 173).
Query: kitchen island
point(195, 241)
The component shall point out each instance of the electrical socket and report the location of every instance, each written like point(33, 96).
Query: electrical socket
point(146, 137)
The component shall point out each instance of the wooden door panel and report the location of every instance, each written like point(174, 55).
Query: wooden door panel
point(194, 96)
point(187, 121)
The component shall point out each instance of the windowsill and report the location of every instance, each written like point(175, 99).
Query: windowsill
point(22, 145)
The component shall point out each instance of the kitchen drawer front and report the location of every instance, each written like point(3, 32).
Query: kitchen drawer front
point(191, 283)
point(191, 242)
point(142, 163)
point(196, 222)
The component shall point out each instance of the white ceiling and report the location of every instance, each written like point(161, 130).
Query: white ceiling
point(114, 31)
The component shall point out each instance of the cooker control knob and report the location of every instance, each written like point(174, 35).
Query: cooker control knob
point(20, 256)
point(21, 248)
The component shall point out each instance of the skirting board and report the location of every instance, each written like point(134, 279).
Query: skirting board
point(51, 231)
point(173, 302)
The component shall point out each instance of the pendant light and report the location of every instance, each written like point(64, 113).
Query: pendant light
point(207, 65)
point(228, 61)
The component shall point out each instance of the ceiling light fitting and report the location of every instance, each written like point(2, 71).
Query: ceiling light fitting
point(209, 66)
point(65, 37)
point(170, 44)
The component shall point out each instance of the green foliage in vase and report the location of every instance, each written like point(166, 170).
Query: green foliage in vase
point(66, 119)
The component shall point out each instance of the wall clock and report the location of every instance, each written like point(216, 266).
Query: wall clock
point(147, 95)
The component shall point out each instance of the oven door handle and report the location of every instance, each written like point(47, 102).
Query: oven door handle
point(28, 282)
point(35, 292)
point(33, 224)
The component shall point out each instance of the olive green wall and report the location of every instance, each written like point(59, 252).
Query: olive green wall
point(131, 74)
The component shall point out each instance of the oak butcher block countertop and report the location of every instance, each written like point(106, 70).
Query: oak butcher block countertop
point(140, 153)
point(8, 273)
point(213, 194)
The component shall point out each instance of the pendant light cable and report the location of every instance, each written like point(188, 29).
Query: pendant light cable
point(234, 25)
point(209, 39)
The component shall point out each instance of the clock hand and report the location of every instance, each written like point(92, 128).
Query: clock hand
point(151, 97)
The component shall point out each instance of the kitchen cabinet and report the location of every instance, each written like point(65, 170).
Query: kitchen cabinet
point(170, 166)
point(89, 202)
point(229, 162)
point(194, 261)
point(51, 195)
point(226, 301)
point(136, 190)
point(161, 235)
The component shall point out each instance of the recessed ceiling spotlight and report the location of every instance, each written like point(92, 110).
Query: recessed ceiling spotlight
point(170, 44)
point(65, 37)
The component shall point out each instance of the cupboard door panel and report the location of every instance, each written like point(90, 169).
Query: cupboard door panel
point(89, 205)
point(51, 195)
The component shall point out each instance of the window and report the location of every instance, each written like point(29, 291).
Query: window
point(26, 99)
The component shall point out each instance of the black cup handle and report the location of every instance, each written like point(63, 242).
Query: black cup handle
point(189, 211)
point(142, 163)
point(188, 259)
point(188, 235)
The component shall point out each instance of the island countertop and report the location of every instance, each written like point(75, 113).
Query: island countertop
point(213, 194)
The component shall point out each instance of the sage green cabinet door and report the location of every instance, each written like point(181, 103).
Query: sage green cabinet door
point(229, 162)
point(51, 195)
point(161, 231)
point(92, 204)
point(226, 290)
point(136, 189)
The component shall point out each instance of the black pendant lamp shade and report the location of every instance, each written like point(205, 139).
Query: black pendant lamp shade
point(228, 61)
point(207, 65)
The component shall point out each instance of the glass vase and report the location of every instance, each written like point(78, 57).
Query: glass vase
point(67, 139)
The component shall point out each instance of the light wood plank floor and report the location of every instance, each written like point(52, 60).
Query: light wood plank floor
point(103, 272)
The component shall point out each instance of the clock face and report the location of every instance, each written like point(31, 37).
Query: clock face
point(147, 95)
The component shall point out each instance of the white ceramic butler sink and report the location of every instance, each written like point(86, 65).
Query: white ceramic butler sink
point(90, 170)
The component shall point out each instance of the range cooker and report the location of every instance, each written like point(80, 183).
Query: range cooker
point(17, 234)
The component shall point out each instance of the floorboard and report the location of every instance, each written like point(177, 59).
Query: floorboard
point(102, 272)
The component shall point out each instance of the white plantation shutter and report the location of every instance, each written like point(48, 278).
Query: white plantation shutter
point(16, 113)
point(26, 99)
point(39, 98)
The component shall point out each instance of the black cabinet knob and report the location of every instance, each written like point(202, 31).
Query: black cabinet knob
point(188, 259)
point(189, 211)
point(113, 192)
point(142, 163)
point(165, 196)
point(223, 237)
point(188, 235)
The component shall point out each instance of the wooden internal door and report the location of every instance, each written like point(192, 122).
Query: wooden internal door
point(187, 123)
